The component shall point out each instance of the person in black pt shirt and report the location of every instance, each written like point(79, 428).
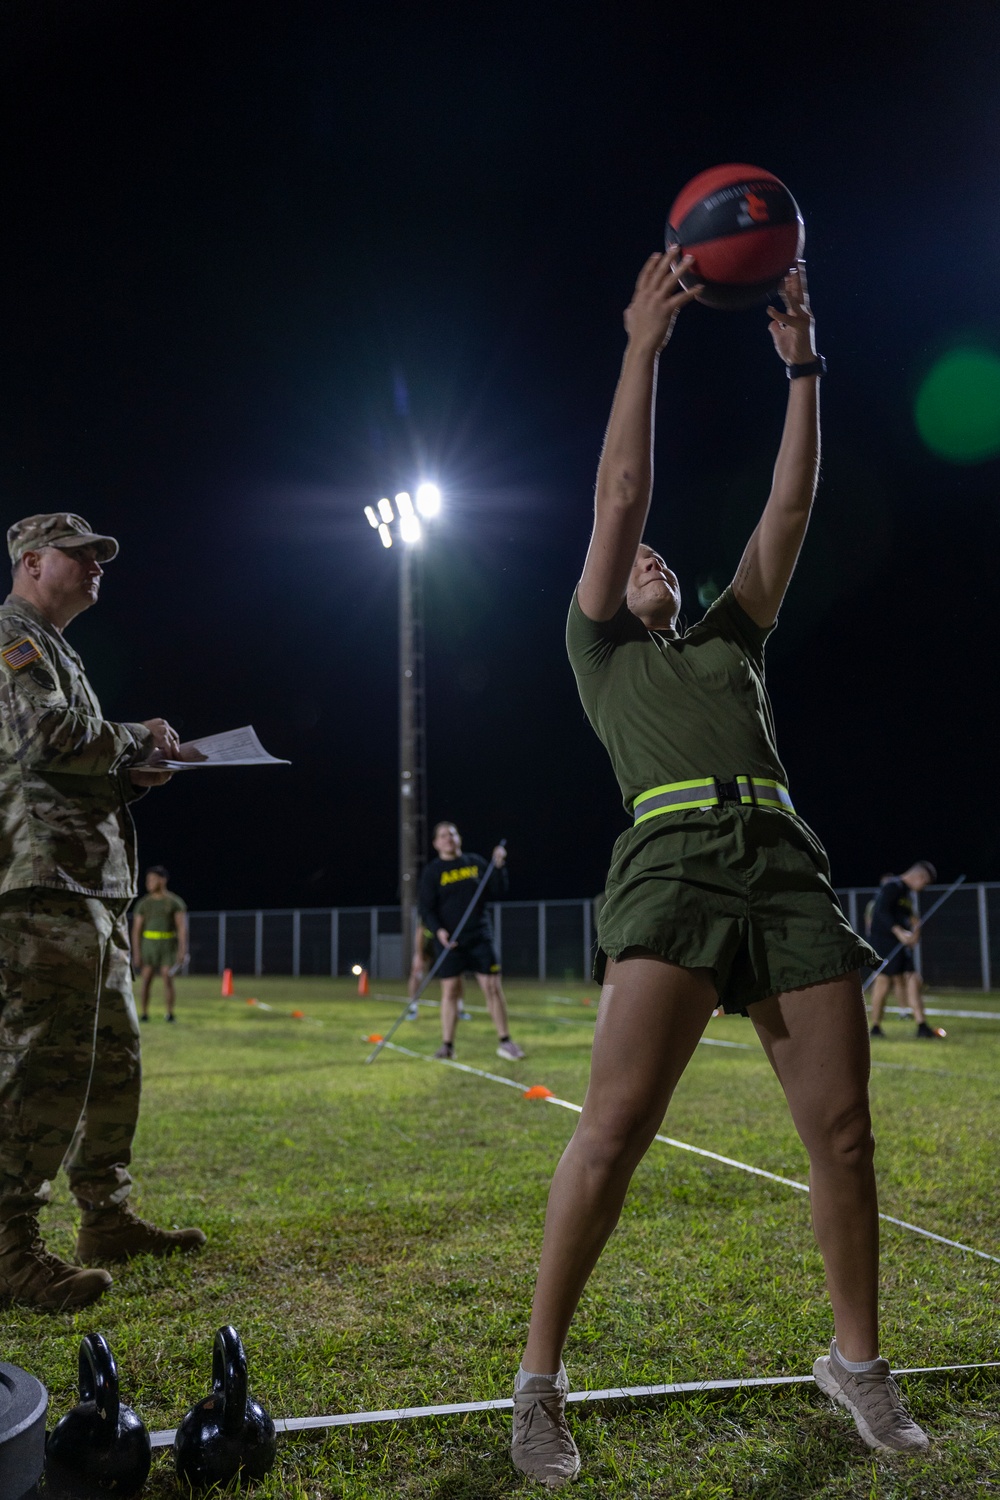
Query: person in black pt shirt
point(447, 885)
point(894, 921)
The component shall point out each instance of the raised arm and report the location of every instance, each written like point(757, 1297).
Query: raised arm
point(625, 474)
point(772, 552)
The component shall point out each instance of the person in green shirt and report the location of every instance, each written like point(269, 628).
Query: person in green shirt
point(717, 893)
point(159, 938)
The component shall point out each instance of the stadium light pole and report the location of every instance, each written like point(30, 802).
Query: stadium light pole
point(403, 523)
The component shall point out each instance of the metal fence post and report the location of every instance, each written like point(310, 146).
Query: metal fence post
point(984, 937)
point(541, 940)
point(953, 969)
point(588, 939)
point(917, 955)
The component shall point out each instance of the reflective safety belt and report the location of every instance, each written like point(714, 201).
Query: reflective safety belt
point(711, 791)
point(159, 934)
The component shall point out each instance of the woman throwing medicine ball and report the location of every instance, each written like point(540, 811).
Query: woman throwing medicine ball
point(717, 894)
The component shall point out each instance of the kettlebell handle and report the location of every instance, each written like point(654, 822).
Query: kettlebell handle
point(99, 1380)
point(229, 1379)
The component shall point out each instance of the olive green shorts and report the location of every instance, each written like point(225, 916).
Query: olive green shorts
point(743, 891)
point(159, 952)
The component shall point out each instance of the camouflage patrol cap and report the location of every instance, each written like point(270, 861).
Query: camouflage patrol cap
point(59, 529)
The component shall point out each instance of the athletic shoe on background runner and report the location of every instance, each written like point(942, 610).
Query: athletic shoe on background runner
point(542, 1445)
point(873, 1400)
point(876, 1030)
point(446, 1049)
point(510, 1049)
point(932, 1033)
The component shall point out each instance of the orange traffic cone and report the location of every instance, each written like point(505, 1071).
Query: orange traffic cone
point(363, 983)
point(227, 983)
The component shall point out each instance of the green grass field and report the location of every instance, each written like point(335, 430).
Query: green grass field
point(373, 1233)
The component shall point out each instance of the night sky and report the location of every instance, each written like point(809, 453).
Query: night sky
point(267, 262)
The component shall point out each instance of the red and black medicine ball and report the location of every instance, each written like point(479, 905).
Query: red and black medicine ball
point(743, 228)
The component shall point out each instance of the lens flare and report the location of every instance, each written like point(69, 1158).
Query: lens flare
point(957, 410)
point(428, 499)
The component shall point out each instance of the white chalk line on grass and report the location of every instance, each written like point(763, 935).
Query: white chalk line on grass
point(705, 1041)
point(712, 1041)
point(965, 1015)
point(728, 1161)
point(635, 1393)
point(896, 1010)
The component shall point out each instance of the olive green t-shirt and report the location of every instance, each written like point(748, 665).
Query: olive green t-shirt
point(157, 912)
point(671, 707)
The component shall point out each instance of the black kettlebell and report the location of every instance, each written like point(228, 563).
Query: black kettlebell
point(101, 1447)
point(227, 1434)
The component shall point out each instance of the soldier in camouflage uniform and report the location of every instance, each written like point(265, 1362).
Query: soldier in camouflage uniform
point(70, 1072)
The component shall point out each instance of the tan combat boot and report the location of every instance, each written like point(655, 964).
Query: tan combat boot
point(118, 1234)
point(33, 1276)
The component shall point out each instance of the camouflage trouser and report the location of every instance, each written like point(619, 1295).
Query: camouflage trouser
point(70, 1072)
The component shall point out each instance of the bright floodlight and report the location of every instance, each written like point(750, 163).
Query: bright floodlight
point(386, 536)
point(385, 510)
point(428, 499)
point(372, 517)
point(355, 968)
point(404, 504)
point(409, 528)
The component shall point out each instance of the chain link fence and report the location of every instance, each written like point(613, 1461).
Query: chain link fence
point(549, 940)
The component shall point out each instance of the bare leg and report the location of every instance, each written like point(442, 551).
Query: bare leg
point(169, 991)
point(147, 985)
point(451, 993)
point(915, 997)
point(880, 992)
point(898, 984)
point(496, 1002)
point(817, 1043)
point(651, 1016)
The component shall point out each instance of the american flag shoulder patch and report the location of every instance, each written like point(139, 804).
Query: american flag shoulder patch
point(20, 653)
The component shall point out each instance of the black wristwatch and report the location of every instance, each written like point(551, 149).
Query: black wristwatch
point(815, 366)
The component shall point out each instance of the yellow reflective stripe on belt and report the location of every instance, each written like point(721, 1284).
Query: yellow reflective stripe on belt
point(680, 796)
point(159, 934)
point(772, 794)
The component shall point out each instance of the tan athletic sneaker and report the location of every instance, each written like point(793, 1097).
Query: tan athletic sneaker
point(510, 1049)
point(542, 1445)
point(873, 1400)
point(33, 1276)
point(119, 1234)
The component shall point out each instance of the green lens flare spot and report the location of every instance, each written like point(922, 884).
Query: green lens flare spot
point(957, 410)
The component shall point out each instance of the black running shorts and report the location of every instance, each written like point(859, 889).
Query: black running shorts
point(477, 956)
point(901, 963)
